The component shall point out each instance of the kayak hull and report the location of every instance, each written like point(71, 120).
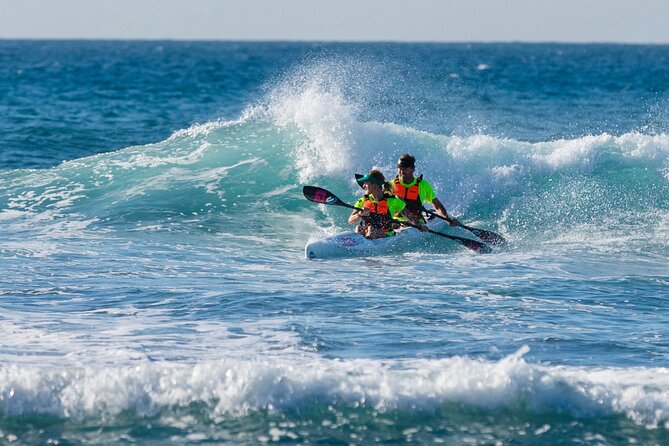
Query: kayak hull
point(351, 244)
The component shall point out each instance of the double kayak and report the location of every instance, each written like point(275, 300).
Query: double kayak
point(351, 244)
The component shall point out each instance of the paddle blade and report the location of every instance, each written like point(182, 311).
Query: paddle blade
point(322, 196)
point(487, 236)
point(475, 246)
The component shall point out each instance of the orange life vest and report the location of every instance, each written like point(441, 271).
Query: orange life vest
point(411, 196)
point(380, 217)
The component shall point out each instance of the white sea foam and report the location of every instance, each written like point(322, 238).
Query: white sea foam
point(237, 387)
point(11, 214)
point(327, 121)
point(579, 154)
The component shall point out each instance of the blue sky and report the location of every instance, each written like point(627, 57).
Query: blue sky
point(633, 21)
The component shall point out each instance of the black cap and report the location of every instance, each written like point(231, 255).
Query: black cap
point(406, 160)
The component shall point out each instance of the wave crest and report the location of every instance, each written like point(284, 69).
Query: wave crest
point(237, 388)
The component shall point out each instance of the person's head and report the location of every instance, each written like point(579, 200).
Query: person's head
point(373, 182)
point(406, 166)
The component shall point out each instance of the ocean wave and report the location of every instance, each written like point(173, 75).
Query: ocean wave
point(240, 387)
point(310, 134)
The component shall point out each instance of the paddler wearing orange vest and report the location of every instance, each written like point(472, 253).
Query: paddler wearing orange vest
point(378, 209)
point(416, 191)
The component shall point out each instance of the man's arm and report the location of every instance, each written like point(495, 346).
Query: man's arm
point(441, 210)
point(428, 195)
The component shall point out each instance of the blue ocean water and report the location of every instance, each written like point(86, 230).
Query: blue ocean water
point(152, 228)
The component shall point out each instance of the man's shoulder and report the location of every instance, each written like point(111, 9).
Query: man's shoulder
point(425, 183)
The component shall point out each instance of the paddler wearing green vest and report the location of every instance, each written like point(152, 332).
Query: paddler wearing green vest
point(416, 191)
point(378, 209)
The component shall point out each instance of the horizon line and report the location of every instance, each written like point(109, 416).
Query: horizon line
point(328, 41)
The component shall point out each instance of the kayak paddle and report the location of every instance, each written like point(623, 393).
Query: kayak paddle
point(323, 196)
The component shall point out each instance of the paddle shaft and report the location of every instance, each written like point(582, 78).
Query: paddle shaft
point(487, 236)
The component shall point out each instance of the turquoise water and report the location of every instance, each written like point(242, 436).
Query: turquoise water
point(154, 285)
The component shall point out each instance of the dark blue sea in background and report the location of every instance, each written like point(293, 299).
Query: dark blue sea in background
point(154, 289)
